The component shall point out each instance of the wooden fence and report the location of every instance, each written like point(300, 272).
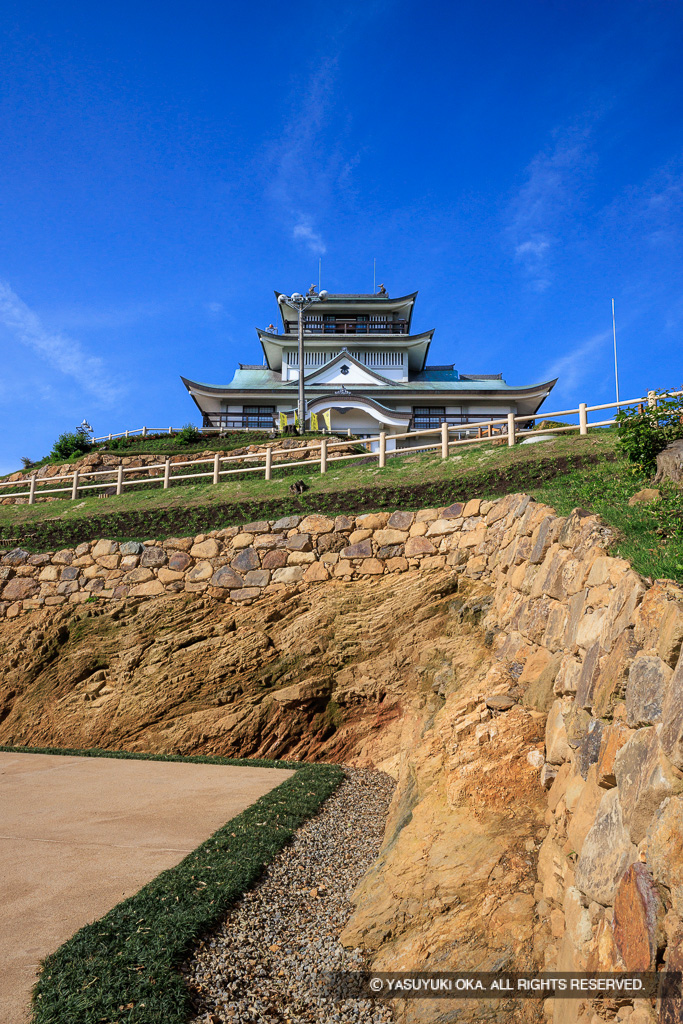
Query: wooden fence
point(325, 449)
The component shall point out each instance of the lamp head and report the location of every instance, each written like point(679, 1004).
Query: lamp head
point(282, 299)
point(323, 295)
point(297, 297)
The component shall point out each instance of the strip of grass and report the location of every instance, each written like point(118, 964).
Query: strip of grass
point(123, 969)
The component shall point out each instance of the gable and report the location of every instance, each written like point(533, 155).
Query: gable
point(344, 370)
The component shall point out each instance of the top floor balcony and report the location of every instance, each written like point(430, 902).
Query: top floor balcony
point(348, 325)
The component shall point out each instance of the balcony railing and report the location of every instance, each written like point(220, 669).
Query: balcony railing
point(348, 325)
point(237, 421)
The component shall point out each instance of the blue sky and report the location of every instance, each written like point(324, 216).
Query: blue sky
point(164, 167)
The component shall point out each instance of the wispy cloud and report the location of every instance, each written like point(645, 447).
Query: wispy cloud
point(60, 352)
point(578, 364)
point(313, 239)
point(537, 213)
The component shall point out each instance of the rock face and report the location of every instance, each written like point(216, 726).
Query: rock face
point(512, 839)
point(670, 463)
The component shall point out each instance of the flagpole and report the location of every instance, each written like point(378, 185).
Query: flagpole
point(616, 371)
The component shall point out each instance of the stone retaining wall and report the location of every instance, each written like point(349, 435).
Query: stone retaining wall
point(575, 633)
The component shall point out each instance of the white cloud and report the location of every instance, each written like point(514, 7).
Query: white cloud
point(312, 238)
point(580, 362)
point(543, 202)
point(60, 352)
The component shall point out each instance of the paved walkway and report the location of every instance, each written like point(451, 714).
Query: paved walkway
point(79, 834)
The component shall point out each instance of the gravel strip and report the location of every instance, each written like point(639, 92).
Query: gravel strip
point(258, 965)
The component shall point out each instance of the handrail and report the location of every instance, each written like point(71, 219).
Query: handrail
point(324, 447)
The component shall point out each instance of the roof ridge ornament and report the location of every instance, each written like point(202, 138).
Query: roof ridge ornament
point(342, 391)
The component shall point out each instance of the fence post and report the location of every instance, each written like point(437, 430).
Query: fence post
point(511, 430)
point(652, 399)
point(348, 432)
point(119, 480)
point(269, 463)
point(144, 431)
point(323, 455)
point(382, 449)
point(170, 430)
point(444, 440)
point(126, 433)
point(32, 491)
point(167, 472)
point(583, 418)
point(74, 488)
point(216, 467)
point(110, 437)
point(478, 432)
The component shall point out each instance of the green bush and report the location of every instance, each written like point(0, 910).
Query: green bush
point(71, 443)
point(643, 435)
point(188, 434)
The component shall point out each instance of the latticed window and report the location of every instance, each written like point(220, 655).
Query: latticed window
point(258, 417)
point(428, 417)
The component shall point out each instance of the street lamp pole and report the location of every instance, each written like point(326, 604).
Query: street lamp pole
point(300, 303)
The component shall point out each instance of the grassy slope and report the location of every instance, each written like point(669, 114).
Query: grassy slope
point(565, 472)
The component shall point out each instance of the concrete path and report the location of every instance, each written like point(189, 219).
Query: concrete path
point(79, 834)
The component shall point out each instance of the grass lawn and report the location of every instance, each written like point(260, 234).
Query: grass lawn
point(124, 967)
point(566, 472)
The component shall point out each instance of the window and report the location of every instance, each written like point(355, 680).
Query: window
point(258, 417)
point(428, 417)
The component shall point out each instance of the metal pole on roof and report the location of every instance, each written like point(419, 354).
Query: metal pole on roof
point(374, 275)
point(616, 371)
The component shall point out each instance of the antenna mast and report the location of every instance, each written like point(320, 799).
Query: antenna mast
point(374, 276)
point(320, 272)
point(616, 371)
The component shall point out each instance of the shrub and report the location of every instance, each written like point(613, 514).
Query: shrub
point(643, 435)
point(26, 462)
point(188, 434)
point(68, 444)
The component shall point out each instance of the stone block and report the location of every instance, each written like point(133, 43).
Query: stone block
point(267, 541)
point(584, 736)
point(441, 526)
point(246, 594)
point(590, 627)
point(299, 542)
point(397, 564)
point(179, 561)
point(400, 520)
point(316, 524)
point(665, 850)
point(225, 577)
point(556, 746)
point(585, 687)
point(20, 589)
point(343, 523)
point(135, 576)
point(64, 557)
point(585, 811)
point(49, 574)
point(371, 567)
point(388, 537)
point(644, 779)
point(274, 559)
point(390, 551)
point(285, 524)
point(262, 526)
point(104, 547)
point(39, 560)
point(659, 621)
point(246, 560)
point(70, 572)
point(257, 578)
point(343, 568)
point(621, 609)
point(171, 544)
point(358, 535)
point(68, 587)
point(372, 520)
point(242, 540)
point(316, 573)
point(153, 558)
point(205, 549)
point(610, 685)
point(647, 682)
point(417, 546)
point(202, 572)
point(362, 550)
point(471, 539)
point(330, 542)
point(132, 547)
point(167, 575)
point(108, 561)
point(290, 574)
point(301, 557)
point(671, 737)
point(418, 529)
point(472, 508)
point(555, 626)
point(538, 677)
point(17, 556)
point(541, 540)
point(637, 913)
point(426, 515)
point(607, 852)
point(613, 739)
point(453, 511)
point(438, 562)
point(150, 589)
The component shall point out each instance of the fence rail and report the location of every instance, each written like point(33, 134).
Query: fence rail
point(488, 430)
